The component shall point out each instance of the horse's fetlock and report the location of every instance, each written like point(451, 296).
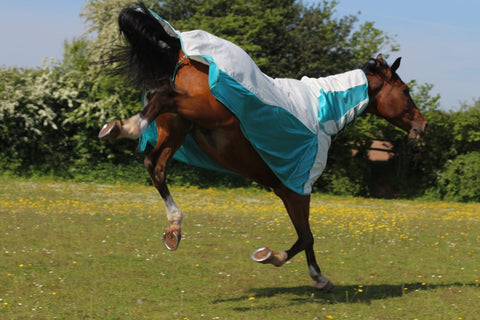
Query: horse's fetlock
point(175, 223)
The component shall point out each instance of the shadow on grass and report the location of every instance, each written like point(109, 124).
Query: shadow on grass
point(340, 294)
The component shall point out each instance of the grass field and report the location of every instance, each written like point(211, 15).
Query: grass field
point(88, 251)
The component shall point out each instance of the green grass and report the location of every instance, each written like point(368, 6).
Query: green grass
point(89, 251)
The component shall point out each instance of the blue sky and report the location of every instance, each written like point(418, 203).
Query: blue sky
point(439, 40)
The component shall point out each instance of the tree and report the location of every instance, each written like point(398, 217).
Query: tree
point(31, 101)
point(284, 37)
point(101, 18)
point(466, 133)
point(460, 180)
point(50, 116)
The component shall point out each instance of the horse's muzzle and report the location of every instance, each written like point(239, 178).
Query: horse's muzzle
point(418, 131)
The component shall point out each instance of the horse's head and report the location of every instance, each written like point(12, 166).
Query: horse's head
point(390, 97)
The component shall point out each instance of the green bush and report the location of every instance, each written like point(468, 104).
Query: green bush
point(460, 180)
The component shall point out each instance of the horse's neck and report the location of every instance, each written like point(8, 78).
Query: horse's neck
point(375, 84)
point(342, 98)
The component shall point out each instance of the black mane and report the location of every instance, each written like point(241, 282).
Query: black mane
point(149, 54)
point(371, 66)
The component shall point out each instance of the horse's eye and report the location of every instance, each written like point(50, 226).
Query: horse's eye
point(406, 92)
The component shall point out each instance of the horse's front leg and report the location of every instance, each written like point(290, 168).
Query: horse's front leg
point(298, 208)
point(172, 130)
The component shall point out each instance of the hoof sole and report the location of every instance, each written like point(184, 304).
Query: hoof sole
point(262, 255)
point(110, 130)
point(171, 241)
point(266, 255)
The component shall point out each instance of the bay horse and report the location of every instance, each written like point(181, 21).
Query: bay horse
point(179, 99)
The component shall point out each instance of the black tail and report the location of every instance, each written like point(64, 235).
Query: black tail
point(151, 51)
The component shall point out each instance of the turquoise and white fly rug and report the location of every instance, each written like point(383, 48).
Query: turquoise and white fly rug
point(289, 122)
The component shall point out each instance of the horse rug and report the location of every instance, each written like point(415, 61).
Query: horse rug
point(289, 122)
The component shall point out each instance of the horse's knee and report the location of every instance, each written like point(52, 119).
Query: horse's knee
point(304, 242)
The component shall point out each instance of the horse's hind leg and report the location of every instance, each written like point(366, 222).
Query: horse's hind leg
point(132, 128)
point(172, 130)
point(162, 101)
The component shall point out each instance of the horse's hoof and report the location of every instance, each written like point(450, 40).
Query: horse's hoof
point(171, 240)
point(324, 286)
point(110, 130)
point(266, 255)
point(262, 255)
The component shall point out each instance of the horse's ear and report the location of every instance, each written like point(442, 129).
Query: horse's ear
point(396, 64)
point(380, 60)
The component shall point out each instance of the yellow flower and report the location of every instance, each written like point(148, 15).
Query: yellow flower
point(251, 298)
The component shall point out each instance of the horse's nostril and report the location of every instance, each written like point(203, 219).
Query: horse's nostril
point(419, 130)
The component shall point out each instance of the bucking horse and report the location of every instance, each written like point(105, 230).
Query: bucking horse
point(205, 102)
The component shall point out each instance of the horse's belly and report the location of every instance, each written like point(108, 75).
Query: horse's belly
point(229, 148)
